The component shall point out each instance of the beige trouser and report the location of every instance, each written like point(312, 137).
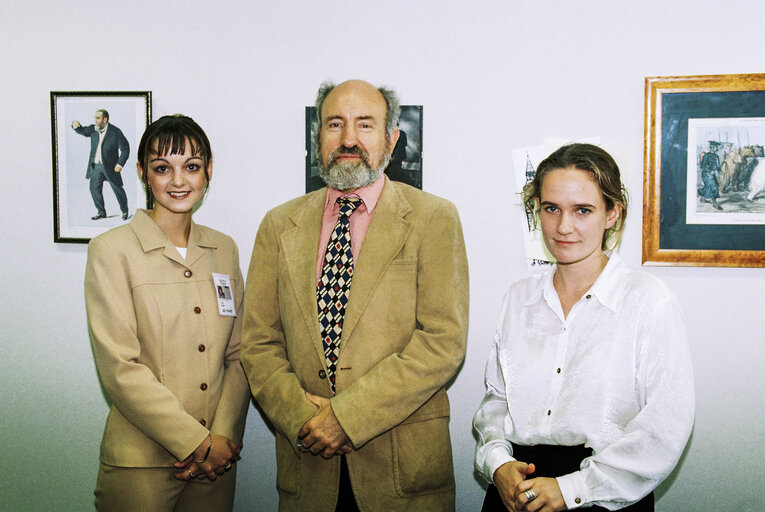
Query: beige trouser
point(121, 489)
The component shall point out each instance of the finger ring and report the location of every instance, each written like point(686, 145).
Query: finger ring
point(191, 473)
point(228, 466)
point(530, 495)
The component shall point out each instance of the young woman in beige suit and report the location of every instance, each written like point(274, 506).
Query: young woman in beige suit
point(166, 345)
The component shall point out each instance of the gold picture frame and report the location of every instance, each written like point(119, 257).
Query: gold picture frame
point(703, 215)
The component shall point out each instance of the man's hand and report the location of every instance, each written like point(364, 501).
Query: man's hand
point(506, 479)
point(548, 496)
point(117, 168)
point(76, 124)
point(323, 434)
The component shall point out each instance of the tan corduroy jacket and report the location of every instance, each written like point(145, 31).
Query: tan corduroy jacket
point(403, 338)
point(168, 361)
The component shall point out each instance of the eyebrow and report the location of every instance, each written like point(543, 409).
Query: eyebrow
point(336, 116)
point(163, 159)
point(578, 205)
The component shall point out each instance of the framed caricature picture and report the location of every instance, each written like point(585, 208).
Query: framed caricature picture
point(95, 184)
point(704, 180)
point(406, 160)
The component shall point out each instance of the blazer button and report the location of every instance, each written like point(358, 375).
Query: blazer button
point(197, 310)
point(322, 374)
point(203, 422)
point(187, 273)
point(201, 348)
point(203, 386)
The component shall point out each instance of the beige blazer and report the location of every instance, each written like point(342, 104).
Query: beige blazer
point(403, 338)
point(168, 361)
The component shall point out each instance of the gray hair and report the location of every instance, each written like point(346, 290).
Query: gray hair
point(392, 111)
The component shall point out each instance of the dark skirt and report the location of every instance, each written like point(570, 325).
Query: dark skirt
point(554, 461)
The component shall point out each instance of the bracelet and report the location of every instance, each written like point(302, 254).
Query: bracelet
point(206, 454)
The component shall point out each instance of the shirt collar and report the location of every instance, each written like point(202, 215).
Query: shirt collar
point(152, 237)
point(370, 194)
point(607, 286)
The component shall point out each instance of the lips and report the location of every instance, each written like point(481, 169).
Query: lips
point(179, 195)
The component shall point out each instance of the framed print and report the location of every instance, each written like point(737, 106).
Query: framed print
point(704, 179)
point(95, 184)
point(405, 163)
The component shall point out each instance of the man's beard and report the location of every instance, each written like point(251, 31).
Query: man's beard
point(344, 175)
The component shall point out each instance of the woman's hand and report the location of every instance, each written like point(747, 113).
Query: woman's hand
point(548, 497)
point(223, 453)
point(507, 477)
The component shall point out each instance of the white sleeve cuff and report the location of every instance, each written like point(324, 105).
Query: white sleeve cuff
point(496, 454)
point(573, 489)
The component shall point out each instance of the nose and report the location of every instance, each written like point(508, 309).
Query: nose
point(177, 178)
point(349, 136)
point(564, 224)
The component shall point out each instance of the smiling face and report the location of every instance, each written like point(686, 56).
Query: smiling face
point(177, 181)
point(574, 215)
point(353, 147)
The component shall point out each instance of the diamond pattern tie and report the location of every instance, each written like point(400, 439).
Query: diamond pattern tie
point(334, 285)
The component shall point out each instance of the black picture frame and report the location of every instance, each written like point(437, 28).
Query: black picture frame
point(73, 203)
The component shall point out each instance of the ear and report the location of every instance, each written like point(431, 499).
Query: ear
point(209, 171)
point(139, 168)
point(612, 216)
point(393, 140)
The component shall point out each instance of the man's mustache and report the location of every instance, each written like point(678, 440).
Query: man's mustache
point(353, 150)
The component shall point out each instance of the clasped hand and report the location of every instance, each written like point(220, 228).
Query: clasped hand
point(511, 482)
point(322, 434)
point(223, 453)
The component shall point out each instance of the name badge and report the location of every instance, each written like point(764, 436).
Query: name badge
point(224, 294)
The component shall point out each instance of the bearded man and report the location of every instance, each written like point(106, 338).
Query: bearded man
point(356, 311)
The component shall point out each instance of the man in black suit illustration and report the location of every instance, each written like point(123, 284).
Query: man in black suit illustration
point(109, 150)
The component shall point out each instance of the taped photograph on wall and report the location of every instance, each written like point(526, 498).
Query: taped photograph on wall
point(94, 139)
point(405, 163)
point(704, 179)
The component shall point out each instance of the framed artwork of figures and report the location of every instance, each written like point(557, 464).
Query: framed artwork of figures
point(94, 140)
point(704, 179)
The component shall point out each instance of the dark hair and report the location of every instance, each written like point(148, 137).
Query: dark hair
point(169, 135)
point(104, 113)
point(585, 157)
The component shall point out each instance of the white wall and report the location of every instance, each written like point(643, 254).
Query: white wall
point(491, 75)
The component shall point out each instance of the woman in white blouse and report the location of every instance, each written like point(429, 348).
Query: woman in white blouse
point(589, 397)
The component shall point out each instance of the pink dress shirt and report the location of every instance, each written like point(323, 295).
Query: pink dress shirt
point(359, 220)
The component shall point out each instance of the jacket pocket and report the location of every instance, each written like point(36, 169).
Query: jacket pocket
point(288, 473)
point(422, 457)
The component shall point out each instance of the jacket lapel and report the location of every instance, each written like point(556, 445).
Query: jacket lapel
point(385, 237)
point(300, 245)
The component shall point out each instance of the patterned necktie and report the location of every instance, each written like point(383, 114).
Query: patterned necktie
point(334, 285)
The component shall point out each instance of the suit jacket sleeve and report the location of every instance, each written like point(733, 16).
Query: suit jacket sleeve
point(272, 379)
point(235, 395)
point(403, 381)
point(85, 131)
point(124, 148)
point(132, 386)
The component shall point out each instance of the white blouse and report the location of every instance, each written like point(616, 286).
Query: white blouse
point(615, 375)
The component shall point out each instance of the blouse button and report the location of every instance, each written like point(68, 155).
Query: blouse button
point(203, 422)
point(187, 273)
point(557, 371)
point(322, 374)
point(578, 501)
point(201, 348)
point(203, 386)
point(588, 296)
point(549, 412)
point(197, 310)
